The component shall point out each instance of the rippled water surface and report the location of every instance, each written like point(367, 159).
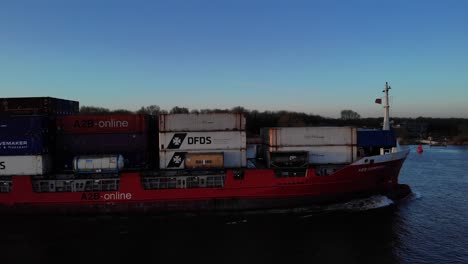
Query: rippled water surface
point(431, 226)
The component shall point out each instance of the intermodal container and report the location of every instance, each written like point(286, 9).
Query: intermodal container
point(213, 140)
point(204, 160)
point(309, 136)
point(322, 154)
point(102, 143)
point(23, 125)
point(201, 122)
point(38, 106)
point(12, 145)
point(376, 138)
point(98, 164)
point(288, 159)
point(171, 159)
point(24, 165)
point(94, 124)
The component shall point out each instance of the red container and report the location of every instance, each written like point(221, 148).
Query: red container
point(99, 124)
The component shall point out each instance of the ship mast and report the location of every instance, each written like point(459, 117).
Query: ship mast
point(386, 121)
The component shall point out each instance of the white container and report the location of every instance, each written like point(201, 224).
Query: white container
point(176, 159)
point(201, 122)
point(323, 154)
point(24, 165)
point(98, 164)
point(215, 140)
point(309, 136)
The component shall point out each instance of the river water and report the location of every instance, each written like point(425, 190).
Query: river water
point(431, 226)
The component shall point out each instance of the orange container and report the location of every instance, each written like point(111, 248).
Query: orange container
point(204, 160)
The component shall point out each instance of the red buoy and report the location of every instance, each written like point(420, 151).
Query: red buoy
point(420, 149)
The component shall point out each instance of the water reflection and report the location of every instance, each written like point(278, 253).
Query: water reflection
point(335, 237)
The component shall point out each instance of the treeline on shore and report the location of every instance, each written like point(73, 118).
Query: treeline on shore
point(409, 130)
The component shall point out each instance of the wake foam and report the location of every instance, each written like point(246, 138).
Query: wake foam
point(373, 202)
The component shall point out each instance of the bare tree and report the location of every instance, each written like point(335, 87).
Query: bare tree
point(150, 110)
point(349, 115)
point(179, 110)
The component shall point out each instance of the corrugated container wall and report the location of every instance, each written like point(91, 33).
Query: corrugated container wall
point(309, 136)
point(204, 160)
point(176, 159)
point(322, 154)
point(24, 135)
point(213, 140)
point(23, 125)
point(376, 138)
point(201, 122)
point(94, 124)
point(38, 106)
point(24, 165)
point(24, 145)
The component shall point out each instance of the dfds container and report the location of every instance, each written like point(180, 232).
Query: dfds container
point(322, 154)
point(24, 165)
point(13, 145)
point(38, 106)
point(96, 124)
point(98, 164)
point(23, 125)
point(309, 136)
point(376, 138)
point(201, 122)
point(213, 140)
point(176, 159)
point(204, 160)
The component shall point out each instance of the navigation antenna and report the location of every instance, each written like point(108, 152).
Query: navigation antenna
point(386, 121)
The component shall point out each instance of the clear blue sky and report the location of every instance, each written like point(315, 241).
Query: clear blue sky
point(311, 56)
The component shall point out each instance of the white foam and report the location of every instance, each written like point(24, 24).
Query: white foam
point(373, 202)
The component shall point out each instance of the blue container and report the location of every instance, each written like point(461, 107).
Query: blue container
point(24, 125)
point(37, 106)
point(376, 138)
point(14, 145)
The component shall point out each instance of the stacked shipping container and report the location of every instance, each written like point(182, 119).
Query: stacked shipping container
point(24, 145)
point(38, 106)
point(196, 141)
point(324, 145)
point(27, 133)
point(83, 135)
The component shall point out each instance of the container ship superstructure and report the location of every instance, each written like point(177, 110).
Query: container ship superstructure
point(53, 159)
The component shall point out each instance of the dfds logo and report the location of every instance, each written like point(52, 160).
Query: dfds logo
point(178, 139)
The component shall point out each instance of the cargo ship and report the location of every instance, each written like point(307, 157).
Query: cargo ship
point(55, 160)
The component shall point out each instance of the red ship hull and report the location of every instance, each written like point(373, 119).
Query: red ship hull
point(259, 189)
